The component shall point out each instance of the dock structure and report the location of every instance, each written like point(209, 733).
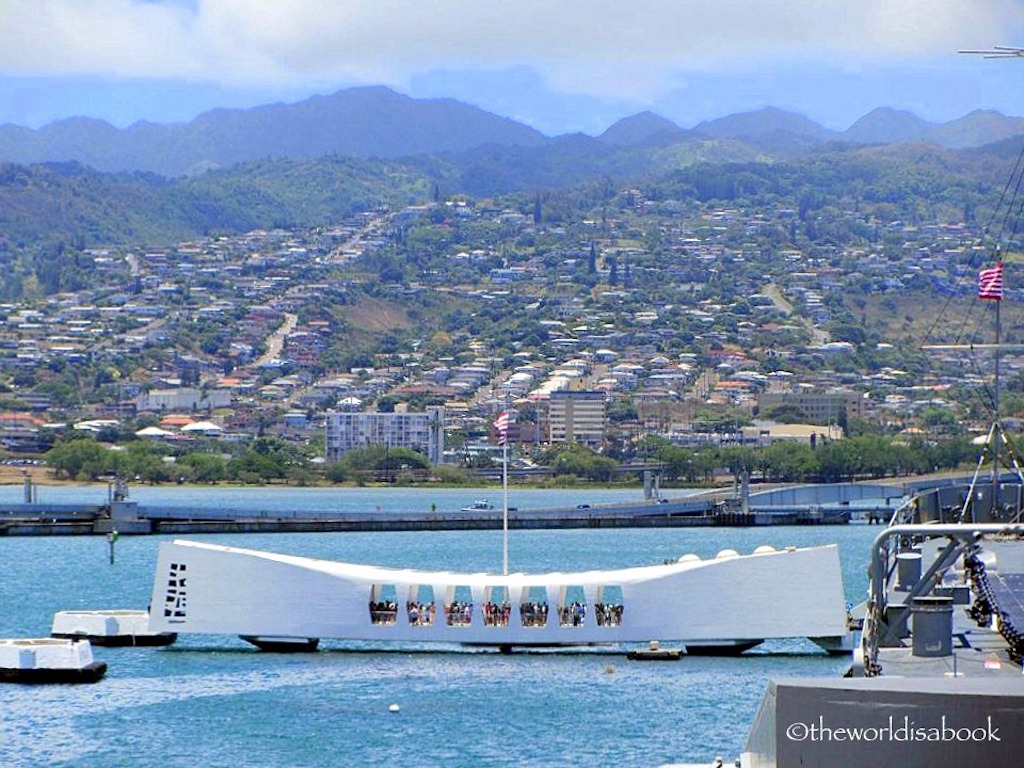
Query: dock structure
point(130, 518)
point(797, 505)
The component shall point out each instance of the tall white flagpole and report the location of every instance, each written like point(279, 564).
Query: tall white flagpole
point(504, 506)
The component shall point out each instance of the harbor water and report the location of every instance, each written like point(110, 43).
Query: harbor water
point(216, 701)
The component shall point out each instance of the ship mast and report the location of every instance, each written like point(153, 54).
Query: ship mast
point(998, 422)
point(998, 52)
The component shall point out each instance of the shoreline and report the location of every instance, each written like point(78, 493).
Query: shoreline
point(43, 477)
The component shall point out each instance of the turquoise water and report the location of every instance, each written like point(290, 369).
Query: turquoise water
point(214, 701)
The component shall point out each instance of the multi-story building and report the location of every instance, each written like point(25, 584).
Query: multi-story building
point(423, 432)
point(819, 407)
point(576, 417)
point(184, 399)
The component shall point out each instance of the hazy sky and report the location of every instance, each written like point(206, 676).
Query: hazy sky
point(558, 65)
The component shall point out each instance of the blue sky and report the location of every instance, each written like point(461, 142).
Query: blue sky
point(558, 66)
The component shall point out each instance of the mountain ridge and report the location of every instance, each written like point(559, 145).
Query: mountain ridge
point(377, 122)
point(363, 122)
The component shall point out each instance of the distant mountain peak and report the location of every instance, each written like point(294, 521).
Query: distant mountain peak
point(886, 125)
point(645, 128)
point(368, 121)
point(374, 121)
point(765, 121)
point(90, 123)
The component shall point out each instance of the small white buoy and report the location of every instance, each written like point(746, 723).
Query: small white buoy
point(394, 708)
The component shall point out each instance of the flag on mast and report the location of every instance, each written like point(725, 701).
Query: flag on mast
point(501, 425)
point(990, 283)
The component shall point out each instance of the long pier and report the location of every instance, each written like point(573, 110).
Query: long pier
point(127, 517)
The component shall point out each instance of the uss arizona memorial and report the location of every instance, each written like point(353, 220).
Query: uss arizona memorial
point(724, 604)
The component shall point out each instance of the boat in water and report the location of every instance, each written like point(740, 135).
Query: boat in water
point(480, 505)
point(655, 652)
point(48, 660)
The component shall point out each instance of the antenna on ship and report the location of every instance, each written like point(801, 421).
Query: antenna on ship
point(998, 52)
point(990, 287)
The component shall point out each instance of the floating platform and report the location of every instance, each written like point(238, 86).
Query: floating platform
point(48, 660)
point(654, 652)
point(109, 628)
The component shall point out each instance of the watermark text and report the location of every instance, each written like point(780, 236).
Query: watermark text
point(894, 730)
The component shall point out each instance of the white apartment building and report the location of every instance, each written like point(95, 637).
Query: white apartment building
point(423, 432)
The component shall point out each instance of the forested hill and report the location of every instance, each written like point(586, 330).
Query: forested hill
point(45, 204)
point(70, 203)
point(43, 207)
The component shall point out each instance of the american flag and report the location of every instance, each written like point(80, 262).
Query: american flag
point(990, 283)
point(501, 425)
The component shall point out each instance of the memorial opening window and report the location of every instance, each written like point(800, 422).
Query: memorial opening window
point(496, 607)
point(609, 607)
point(572, 607)
point(383, 604)
point(533, 611)
point(420, 606)
point(459, 607)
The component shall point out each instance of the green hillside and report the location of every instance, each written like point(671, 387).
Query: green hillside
point(47, 209)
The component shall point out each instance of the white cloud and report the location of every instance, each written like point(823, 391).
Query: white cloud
point(630, 50)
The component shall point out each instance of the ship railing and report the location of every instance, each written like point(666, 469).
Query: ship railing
point(881, 626)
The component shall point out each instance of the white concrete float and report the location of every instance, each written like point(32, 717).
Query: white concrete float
point(48, 660)
point(109, 628)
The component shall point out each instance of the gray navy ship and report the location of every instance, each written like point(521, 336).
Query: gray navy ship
point(937, 677)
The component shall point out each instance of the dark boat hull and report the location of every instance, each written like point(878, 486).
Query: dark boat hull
point(669, 654)
point(122, 641)
point(90, 673)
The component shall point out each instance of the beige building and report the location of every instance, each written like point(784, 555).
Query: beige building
point(576, 417)
point(818, 407)
point(810, 434)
